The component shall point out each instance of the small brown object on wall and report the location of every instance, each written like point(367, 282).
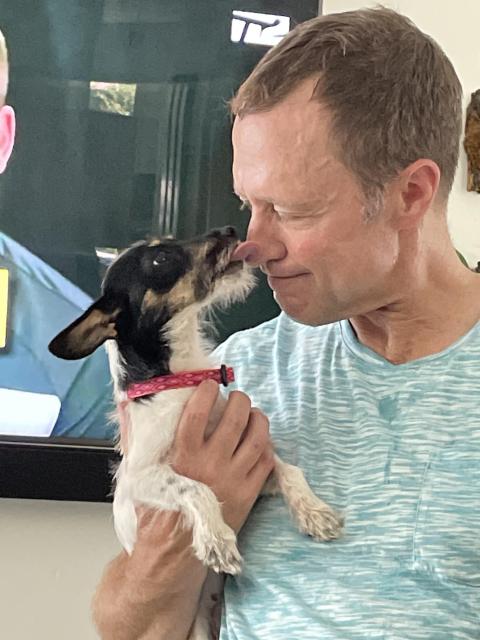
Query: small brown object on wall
point(472, 142)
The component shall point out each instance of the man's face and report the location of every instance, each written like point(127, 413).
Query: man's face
point(7, 135)
point(323, 260)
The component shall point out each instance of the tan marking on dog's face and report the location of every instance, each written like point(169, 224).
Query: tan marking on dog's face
point(199, 255)
point(180, 296)
point(152, 299)
point(202, 251)
point(183, 293)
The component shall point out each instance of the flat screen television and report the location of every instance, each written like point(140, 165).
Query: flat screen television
point(122, 132)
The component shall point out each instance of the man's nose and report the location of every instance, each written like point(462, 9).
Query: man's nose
point(260, 247)
point(249, 252)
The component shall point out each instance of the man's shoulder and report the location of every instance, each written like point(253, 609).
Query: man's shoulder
point(32, 273)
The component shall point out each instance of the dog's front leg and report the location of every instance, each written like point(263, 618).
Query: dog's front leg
point(214, 542)
point(313, 516)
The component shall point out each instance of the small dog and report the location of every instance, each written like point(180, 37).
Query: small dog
point(154, 296)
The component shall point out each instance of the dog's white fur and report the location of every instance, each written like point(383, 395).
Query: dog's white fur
point(145, 476)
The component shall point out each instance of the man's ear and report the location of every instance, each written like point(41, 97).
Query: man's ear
point(7, 135)
point(417, 187)
point(89, 331)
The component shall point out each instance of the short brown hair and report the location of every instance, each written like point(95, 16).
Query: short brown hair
point(3, 69)
point(393, 93)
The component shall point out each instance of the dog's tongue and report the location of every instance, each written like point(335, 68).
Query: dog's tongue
point(247, 251)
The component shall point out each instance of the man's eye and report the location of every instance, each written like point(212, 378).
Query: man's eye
point(160, 258)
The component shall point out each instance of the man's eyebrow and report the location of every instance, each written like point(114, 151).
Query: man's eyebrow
point(297, 206)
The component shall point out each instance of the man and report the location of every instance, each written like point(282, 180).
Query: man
point(39, 394)
point(345, 144)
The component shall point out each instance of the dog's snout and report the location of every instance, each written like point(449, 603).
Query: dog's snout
point(229, 231)
point(223, 232)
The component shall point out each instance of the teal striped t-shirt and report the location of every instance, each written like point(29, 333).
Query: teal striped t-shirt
point(396, 449)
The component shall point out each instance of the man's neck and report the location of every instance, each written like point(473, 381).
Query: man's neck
point(424, 321)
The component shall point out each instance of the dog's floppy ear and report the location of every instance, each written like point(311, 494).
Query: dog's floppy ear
point(89, 331)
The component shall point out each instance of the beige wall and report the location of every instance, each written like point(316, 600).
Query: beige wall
point(52, 553)
point(455, 26)
point(51, 557)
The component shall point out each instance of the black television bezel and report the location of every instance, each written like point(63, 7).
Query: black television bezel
point(57, 469)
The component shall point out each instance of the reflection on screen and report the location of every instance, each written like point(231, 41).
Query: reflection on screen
point(28, 414)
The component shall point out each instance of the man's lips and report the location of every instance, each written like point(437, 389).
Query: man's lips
point(275, 282)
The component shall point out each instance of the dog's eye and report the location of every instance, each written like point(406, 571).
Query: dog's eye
point(160, 258)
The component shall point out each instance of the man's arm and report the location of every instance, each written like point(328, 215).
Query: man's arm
point(154, 593)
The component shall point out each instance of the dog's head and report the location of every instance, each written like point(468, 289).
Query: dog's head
point(149, 284)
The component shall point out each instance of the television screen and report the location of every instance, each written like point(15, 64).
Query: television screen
point(123, 132)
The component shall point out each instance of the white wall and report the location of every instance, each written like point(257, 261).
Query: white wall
point(51, 557)
point(455, 27)
point(52, 553)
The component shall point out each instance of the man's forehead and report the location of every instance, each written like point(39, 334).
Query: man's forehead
point(286, 181)
point(278, 139)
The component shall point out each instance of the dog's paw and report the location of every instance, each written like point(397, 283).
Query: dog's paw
point(220, 553)
point(318, 520)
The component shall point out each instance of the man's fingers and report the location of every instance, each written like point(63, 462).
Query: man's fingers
point(262, 469)
point(256, 439)
point(194, 420)
point(233, 423)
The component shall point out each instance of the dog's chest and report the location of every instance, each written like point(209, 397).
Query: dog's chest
point(152, 426)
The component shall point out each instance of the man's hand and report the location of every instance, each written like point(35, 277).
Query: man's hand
point(237, 458)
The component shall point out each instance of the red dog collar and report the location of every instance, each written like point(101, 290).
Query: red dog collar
point(224, 375)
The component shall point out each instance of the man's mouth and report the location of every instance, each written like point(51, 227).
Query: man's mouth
point(278, 281)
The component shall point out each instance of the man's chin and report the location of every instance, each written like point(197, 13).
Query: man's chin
point(303, 313)
point(298, 312)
